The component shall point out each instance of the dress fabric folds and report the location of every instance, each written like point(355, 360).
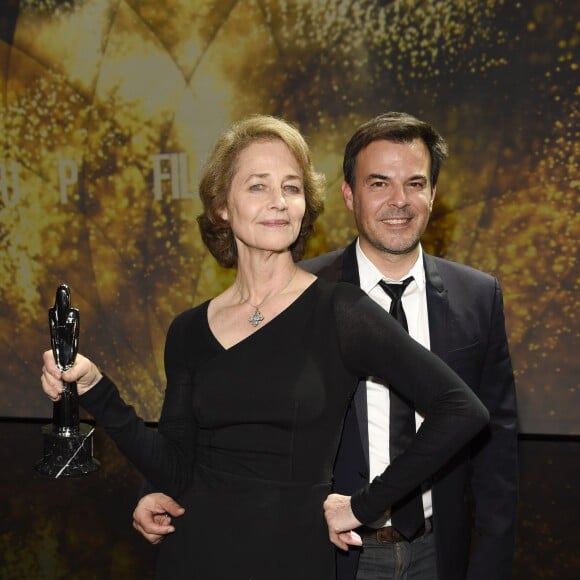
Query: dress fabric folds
point(248, 435)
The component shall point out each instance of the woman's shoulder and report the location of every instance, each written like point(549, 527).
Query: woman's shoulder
point(190, 316)
point(351, 306)
point(339, 291)
point(341, 298)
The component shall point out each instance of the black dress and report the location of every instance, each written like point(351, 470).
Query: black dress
point(248, 435)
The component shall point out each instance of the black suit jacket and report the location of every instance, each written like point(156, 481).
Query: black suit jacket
point(467, 330)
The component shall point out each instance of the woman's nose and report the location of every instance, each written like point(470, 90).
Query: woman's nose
point(279, 199)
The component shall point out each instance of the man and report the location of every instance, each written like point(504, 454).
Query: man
point(391, 166)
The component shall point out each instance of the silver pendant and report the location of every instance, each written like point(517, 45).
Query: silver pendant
point(256, 318)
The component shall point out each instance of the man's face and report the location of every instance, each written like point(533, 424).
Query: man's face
point(392, 196)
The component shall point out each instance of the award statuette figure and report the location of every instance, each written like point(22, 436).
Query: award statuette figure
point(67, 443)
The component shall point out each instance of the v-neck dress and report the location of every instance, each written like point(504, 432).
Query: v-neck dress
point(248, 435)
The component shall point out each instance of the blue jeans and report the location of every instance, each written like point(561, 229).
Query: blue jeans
point(401, 561)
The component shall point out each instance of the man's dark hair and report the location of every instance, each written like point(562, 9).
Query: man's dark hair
point(399, 128)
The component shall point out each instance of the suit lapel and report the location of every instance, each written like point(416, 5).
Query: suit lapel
point(349, 273)
point(437, 307)
point(349, 266)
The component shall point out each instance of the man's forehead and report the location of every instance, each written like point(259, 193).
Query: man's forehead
point(383, 153)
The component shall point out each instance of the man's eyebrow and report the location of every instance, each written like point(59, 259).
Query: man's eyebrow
point(386, 177)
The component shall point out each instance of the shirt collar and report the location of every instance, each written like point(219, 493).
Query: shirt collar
point(370, 275)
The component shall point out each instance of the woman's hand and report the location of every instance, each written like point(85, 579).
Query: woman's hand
point(341, 521)
point(83, 372)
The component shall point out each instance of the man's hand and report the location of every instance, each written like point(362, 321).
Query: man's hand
point(341, 521)
point(152, 516)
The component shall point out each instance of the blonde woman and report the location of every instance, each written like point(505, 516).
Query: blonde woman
point(259, 379)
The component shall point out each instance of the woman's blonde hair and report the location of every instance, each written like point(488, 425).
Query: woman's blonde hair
point(219, 172)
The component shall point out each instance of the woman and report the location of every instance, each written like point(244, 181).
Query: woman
point(259, 379)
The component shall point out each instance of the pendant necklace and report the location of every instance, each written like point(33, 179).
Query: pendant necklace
point(257, 316)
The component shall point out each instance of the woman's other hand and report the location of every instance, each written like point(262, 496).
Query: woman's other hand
point(84, 372)
point(341, 521)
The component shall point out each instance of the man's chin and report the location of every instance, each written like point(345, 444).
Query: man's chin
point(400, 249)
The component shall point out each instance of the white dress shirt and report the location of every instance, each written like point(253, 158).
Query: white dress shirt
point(415, 306)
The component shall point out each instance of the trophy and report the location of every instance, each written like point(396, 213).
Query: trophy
point(68, 445)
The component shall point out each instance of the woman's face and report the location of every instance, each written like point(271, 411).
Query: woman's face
point(266, 203)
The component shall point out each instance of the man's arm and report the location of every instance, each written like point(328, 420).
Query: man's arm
point(494, 459)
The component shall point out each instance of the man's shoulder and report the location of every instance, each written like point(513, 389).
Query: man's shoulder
point(331, 261)
point(450, 268)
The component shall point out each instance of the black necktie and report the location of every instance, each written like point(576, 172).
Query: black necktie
point(407, 514)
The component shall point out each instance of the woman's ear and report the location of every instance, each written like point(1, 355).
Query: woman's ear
point(223, 213)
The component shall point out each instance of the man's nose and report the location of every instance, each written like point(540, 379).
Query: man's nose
point(398, 196)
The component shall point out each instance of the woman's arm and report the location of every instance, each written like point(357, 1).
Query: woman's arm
point(165, 455)
point(373, 344)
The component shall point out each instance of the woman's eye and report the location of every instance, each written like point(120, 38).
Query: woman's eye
point(256, 187)
point(292, 189)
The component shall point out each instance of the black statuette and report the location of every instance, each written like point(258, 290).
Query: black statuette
point(64, 323)
point(68, 446)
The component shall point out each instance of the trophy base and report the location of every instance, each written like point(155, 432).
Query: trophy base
point(68, 455)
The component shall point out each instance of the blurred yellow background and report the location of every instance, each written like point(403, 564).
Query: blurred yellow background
point(108, 109)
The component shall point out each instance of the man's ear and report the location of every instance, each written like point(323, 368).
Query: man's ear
point(433, 193)
point(347, 195)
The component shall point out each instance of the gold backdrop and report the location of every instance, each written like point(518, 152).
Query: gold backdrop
point(108, 109)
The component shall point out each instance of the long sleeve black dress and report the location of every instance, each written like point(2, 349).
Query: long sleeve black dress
point(248, 435)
